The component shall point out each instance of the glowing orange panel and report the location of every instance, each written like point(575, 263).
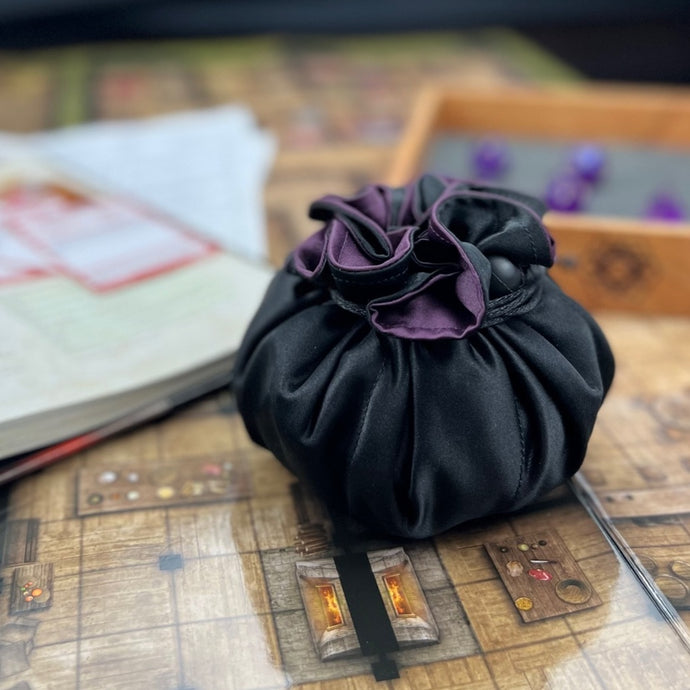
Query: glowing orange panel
point(397, 594)
point(331, 607)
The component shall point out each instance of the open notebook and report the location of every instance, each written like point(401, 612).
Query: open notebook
point(110, 310)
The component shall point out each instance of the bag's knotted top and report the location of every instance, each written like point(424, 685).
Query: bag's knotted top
point(419, 260)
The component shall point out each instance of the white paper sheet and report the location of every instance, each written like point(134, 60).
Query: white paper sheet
point(206, 169)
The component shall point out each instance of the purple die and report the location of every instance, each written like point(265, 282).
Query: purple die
point(588, 162)
point(664, 206)
point(490, 158)
point(565, 192)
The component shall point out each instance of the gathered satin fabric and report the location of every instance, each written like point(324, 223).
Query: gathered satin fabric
point(414, 362)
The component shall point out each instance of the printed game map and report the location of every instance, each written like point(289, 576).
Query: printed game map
point(182, 556)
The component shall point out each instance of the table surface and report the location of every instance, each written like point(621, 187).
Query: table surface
point(166, 557)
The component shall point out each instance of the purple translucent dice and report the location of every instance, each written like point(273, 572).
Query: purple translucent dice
point(490, 158)
point(664, 206)
point(588, 160)
point(566, 192)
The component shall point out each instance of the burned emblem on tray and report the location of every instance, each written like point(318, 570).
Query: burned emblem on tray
point(620, 267)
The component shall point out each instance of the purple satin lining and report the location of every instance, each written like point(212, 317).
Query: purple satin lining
point(362, 241)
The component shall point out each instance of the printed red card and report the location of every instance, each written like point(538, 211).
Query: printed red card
point(101, 241)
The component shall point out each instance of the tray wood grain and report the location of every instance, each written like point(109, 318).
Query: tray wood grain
point(604, 262)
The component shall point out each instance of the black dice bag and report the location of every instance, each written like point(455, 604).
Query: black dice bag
point(411, 437)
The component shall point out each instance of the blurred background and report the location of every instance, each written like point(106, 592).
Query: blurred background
point(605, 39)
point(335, 82)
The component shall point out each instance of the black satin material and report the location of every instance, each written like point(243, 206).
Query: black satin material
point(411, 437)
